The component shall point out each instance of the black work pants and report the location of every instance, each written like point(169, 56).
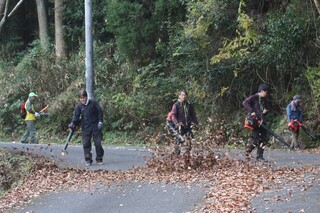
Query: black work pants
point(260, 138)
point(86, 142)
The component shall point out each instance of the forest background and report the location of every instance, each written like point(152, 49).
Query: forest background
point(145, 51)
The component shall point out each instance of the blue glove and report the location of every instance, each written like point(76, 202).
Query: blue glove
point(99, 125)
point(37, 114)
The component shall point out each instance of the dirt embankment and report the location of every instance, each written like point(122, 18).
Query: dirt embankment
point(13, 168)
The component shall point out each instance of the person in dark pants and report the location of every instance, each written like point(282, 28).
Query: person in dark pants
point(294, 112)
point(183, 115)
point(257, 105)
point(89, 113)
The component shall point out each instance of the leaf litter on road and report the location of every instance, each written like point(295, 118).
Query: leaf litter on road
point(231, 183)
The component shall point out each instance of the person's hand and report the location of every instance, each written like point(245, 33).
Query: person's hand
point(37, 114)
point(100, 125)
point(265, 111)
point(179, 124)
point(71, 126)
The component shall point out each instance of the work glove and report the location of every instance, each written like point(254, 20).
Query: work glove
point(99, 125)
point(179, 125)
point(71, 126)
point(37, 114)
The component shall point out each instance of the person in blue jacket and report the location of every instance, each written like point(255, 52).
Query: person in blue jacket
point(294, 112)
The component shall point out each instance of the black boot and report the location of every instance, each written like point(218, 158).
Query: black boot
point(260, 153)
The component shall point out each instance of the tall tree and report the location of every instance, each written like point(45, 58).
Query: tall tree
point(317, 3)
point(4, 4)
point(140, 25)
point(60, 46)
point(43, 24)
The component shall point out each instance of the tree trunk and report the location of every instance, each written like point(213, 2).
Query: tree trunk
point(43, 24)
point(4, 4)
point(317, 3)
point(59, 30)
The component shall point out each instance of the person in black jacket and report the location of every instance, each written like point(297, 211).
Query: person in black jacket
point(183, 117)
point(257, 105)
point(183, 113)
point(89, 113)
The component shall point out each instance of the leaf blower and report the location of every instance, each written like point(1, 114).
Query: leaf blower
point(295, 125)
point(64, 150)
point(252, 122)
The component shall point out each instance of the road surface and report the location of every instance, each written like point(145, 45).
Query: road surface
point(141, 197)
point(129, 197)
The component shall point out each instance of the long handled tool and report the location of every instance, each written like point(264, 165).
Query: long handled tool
point(314, 138)
point(278, 137)
point(64, 150)
point(42, 113)
point(252, 121)
point(44, 109)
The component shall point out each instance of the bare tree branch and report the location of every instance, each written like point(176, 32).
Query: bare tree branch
point(2, 4)
point(317, 3)
point(15, 8)
point(5, 4)
point(3, 20)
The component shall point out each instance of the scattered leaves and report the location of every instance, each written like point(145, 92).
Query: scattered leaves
point(231, 182)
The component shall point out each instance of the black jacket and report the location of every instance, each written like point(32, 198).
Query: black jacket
point(256, 104)
point(89, 115)
point(183, 113)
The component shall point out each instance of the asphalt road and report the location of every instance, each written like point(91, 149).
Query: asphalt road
point(142, 197)
point(129, 197)
point(290, 198)
point(116, 157)
point(281, 158)
point(120, 198)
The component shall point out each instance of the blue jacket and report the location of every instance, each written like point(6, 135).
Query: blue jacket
point(294, 112)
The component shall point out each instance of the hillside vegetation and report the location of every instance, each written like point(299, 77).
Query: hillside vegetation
point(145, 51)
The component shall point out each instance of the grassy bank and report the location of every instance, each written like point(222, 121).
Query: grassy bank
point(13, 168)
